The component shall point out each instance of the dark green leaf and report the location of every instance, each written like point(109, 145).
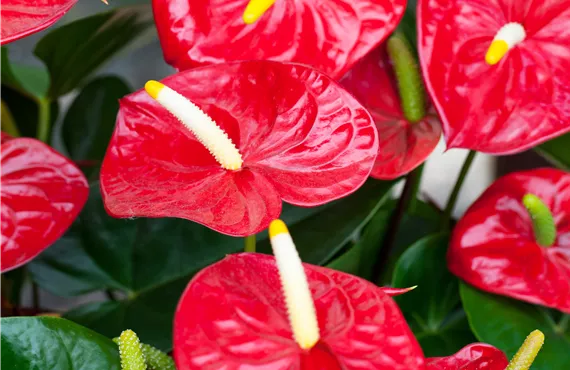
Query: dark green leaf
point(39, 343)
point(320, 236)
point(89, 122)
point(557, 151)
point(72, 52)
point(422, 221)
point(428, 307)
point(505, 323)
point(32, 82)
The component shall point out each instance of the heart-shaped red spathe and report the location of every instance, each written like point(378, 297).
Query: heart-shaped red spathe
point(511, 106)
point(493, 245)
point(330, 35)
point(42, 193)
point(303, 139)
point(232, 315)
point(476, 356)
point(403, 146)
point(21, 18)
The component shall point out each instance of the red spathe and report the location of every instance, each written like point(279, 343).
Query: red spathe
point(403, 145)
point(476, 356)
point(42, 193)
point(506, 108)
point(330, 35)
point(232, 316)
point(21, 18)
point(303, 139)
point(493, 246)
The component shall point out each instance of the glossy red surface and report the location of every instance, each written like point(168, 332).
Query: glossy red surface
point(477, 356)
point(403, 146)
point(493, 245)
point(513, 105)
point(232, 316)
point(21, 18)
point(330, 35)
point(42, 193)
point(303, 138)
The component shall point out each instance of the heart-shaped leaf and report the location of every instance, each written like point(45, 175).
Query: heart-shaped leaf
point(477, 356)
point(90, 120)
point(328, 35)
point(505, 323)
point(54, 343)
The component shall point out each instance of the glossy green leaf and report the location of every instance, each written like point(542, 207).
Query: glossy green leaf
point(90, 120)
point(430, 309)
point(39, 343)
point(557, 151)
point(505, 323)
point(32, 82)
point(74, 51)
point(321, 235)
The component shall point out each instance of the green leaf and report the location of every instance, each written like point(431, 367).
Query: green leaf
point(321, 235)
point(430, 308)
point(32, 82)
point(38, 343)
point(89, 122)
point(505, 323)
point(74, 51)
point(416, 224)
point(557, 151)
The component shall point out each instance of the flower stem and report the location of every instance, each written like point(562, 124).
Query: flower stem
point(408, 193)
point(249, 242)
point(525, 356)
point(43, 119)
point(542, 221)
point(410, 84)
point(455, 193)
point(8, 123)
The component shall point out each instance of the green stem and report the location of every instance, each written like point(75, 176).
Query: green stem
point(455, 193)
point(542, 220)
point(249, 242)
point(395, 221)
point(8, 123)
point(44, 120)
point(563, 323)
point(410, 84)
point(416, 188)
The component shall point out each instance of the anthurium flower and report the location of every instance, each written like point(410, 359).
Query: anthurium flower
point(222, 145)
point(257, 311)
point(501, 247)
point(330, 35)
point(497, 71)
point(403, 145)
point(477, 356)
point(21, 18)
point(42, 193)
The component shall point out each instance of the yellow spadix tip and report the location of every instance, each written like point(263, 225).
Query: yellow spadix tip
point(153, 88)
point(496, 51)
point(277, 227)
point(255, 9)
